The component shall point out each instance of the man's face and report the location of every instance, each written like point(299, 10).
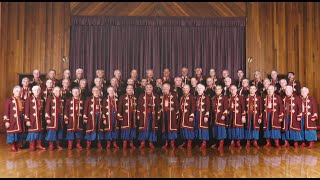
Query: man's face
point(227, 81)
point(233, 90)
point(129, 90)
point(96, 92)
point(252, 90)
point(117, 74)
point(65, 83)
point(245, 83)
point(159, 83)
point(49, 83)
point(283, 83)
point(36, 73)
point(184, 72)
point(198, 71)
point(257, 75)
point(270, 90)
point(75, 93)
point(83, 84)
point(290, 76)
point(266, 83)
point(56, 92)
point(98, 82)
point(212, 72)
point(111, 91)
point(25, 82)
point(186, 89)
point(130, 82)
point(225, 73)
point(134, 73)
point(166, 72)
point(66, 74)
point(114, 82)
point(274, 74)
point(178, 82)
point(100, 73)
point(79, 74)
point(150, 74)
point(240, 74)
point(51, 74)
point(143, 82)
point(166, 88)
point(200, 89)
point(209, 81)
point(194, 82)
point(218, 90)
point(149, 89)
point(304, 92)
point(36, 91)
point(16, 92)
point(289, 90)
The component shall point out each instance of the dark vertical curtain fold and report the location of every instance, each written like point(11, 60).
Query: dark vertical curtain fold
point(156, 42)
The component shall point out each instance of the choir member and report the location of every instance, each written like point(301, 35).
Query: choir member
point(187, 109)
point(199, 76)
point(213, 75)
point(254, 117)
point(100, 74)
point(54, 118)
point(185, 76)
point(79, 76)
point(36, 79)
point(33, 115)
point(282, 89)
point(25, 91)
point(92, 117)
point(309, 118)
point(257, 82)
point(194, 83)
point(109, 116)
point(220, 113)
point(201, 124)
point(141, 88)
point(169, 114)
point(177, 88)
point(83, 88)
point(65, 90)
point(66, 75)
point(244, 90)
point(158, 87)
point(237, 117)
point(52, 75)
point(47, 90)
point(117, 75)
point(127, 115)
point(147, 116)
point(227, 85)
point(238, 81)
point(134, 77)
point(73, 113)
point(149, 77)
point(210, 89)
point(225, 74)
point(272, 117)
point(292, 118)
point(296, 86)
point(13, 119)
point(266, 84)
point(274, 80)
point(166, 76)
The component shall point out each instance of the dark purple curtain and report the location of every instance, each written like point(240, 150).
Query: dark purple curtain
point(156, 42)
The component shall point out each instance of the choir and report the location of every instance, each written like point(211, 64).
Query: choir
point(183, 111)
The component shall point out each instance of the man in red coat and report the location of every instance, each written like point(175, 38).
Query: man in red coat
point(148, 106)
point(127, 115)
point(92, 118)
point(309, 118)
point(295, 84)
point(187, 109)
point(33, 115)
point(13, 119)
point(54, 118)
point(292, 121)
point(73, 113)
point(25, 92)
point(169, 114)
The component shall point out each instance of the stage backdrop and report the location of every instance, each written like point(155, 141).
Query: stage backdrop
point(156, 42)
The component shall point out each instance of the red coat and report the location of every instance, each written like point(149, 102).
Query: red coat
point(73, 113)
point(106, 113)
point(296, 86)
point(276, 107)
point(13, 110)
point(154, 102)
point(25, 93)
point(219, 108)
point(310, 112)
point(127, 109)
point(45, 93)
point(293, 107)
point(33, 113)
point(187, 109)
point(173, 108)
point(236, 105)
point(254, 107)
point(203, 106)
point(54, 107)
point(92, 105)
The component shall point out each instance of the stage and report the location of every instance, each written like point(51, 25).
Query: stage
point(179, 163)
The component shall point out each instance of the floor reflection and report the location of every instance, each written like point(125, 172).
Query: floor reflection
point(270, 162)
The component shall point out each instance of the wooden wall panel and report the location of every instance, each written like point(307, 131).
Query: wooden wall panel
point(33, 35)
point(285, 36)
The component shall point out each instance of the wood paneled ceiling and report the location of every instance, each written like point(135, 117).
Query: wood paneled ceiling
point(213, 9)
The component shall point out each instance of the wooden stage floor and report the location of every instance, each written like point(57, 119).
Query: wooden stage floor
point(270, 162)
